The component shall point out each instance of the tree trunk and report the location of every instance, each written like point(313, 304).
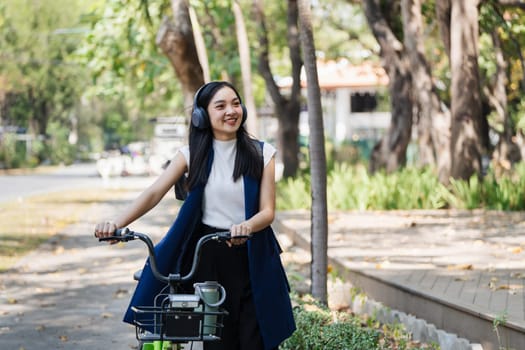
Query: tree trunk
point(175, 38)
point(200, 45)
point(506, 152)
point(390, 152)
point(40, 113)
point(466, 139)
point(287, 109)
point(319, 229)
point(246, 70)
point(443, 12)
point(434, 120)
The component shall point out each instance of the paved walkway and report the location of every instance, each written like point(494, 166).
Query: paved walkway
point(450, 268)
point(71, 292)
point(462, 271)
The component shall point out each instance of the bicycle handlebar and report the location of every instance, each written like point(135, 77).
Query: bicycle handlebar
point(126, 235)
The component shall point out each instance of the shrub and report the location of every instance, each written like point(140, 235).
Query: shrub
point(351, 187)
point(318, 328)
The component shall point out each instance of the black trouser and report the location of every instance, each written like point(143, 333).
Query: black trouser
point(229, 266)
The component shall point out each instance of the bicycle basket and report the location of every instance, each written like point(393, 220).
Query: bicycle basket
point(178, 318)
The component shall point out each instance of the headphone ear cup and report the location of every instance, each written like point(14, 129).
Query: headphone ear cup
point(199, 118)
point(244, 113)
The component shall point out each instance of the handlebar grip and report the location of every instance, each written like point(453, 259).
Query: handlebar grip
point(122, 231)
point(121, 234)
point(226, 236)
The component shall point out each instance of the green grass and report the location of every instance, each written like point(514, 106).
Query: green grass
point(29, 222)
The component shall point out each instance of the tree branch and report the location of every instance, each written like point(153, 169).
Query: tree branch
point(512, 3)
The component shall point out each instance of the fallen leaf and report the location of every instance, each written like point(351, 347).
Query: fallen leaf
point(48, 305)
point(40, 328)
point(384, 264)
point(462, 278)
point(460, 267)
point(63, 338)
point(12, 301)
point(119, 293)
point(518, 275)
point(106, 315)
point(516, 250)
point(312, 308)
point(511, 286)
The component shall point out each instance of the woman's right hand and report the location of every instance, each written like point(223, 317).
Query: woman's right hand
point(105, 229)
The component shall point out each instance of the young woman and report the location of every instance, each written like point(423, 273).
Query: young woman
point(231, 186)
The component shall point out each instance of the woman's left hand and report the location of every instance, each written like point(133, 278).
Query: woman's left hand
point(242, 229)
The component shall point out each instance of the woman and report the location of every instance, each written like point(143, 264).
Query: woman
point(231, 186)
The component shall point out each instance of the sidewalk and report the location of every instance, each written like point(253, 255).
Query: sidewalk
point(461, 271)
point(457, 270)
point(71, 293)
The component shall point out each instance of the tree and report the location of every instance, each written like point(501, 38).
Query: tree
point(175, 38)
point(287, 108)
point(43, 84)
point(319, 225)
point(433, 118)
point(124, 61)
point(390, 152)
point(467, 120)
point(501, 56)
point(246, 70)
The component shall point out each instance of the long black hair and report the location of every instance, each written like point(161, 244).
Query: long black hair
point(248, 159)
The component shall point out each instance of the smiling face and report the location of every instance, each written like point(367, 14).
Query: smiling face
point(225, 112)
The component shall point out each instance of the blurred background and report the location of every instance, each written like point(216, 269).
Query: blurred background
point(422, 101)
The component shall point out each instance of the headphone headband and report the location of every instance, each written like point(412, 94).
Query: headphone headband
point(199, 115)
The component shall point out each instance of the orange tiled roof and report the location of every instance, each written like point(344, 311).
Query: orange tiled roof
point(341, 74)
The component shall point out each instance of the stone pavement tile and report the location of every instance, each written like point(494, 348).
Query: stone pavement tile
point(475, 259)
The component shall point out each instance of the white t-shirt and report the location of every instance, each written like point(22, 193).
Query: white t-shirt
point(223, 203)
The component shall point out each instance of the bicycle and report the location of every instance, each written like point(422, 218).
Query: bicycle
point(177, 318)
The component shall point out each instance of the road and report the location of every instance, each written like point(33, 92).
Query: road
point(83, 175)
point(71, 292)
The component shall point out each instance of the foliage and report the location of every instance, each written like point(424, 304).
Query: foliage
point(58, 149)
point(351, 187)
point(123, 59)
point(317, 328)
point(320, 328)
point(341, 30)
point(43, 84)
point(11, 154)
point(503, 193)
point(40, 86)
point(294, 193)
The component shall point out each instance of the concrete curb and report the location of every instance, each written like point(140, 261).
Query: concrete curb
point(420, 329)
point(362, 304)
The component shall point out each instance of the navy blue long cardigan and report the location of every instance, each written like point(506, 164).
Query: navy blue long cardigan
point(270, 287)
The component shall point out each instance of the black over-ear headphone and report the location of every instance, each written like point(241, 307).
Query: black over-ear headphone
point(199, 115)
